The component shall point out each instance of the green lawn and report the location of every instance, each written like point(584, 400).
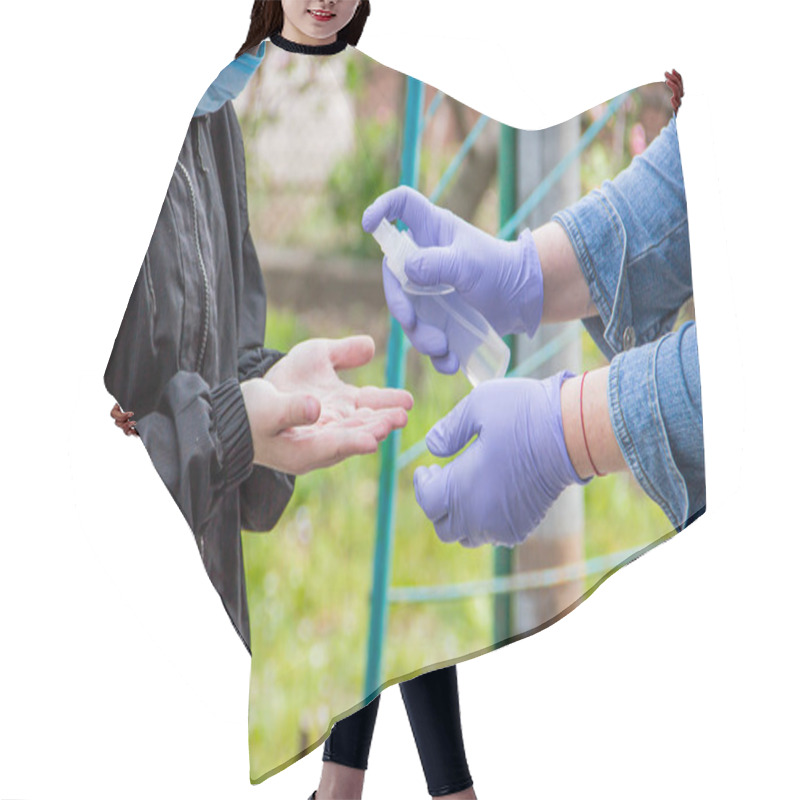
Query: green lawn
point(309, 579)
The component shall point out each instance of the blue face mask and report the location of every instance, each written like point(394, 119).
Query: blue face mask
point(231, 81)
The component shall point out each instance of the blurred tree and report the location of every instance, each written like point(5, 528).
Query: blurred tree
point(476, 175)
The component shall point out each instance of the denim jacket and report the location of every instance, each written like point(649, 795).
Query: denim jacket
point(631, 238)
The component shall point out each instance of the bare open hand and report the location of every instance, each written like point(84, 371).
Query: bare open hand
point(303, 416)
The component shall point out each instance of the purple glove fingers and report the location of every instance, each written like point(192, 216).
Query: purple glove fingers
point(398, 302)
point(433, 495)
point(499, 488)
point(447, 365)
point(427, 222)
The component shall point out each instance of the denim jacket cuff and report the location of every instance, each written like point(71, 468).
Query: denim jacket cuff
point(641, 433)
point(598, 237)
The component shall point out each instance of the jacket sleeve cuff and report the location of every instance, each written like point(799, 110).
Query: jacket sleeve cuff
point(641, 432)
point(255, 362)
point(233, 431)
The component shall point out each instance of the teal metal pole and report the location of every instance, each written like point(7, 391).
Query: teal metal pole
point(459, 159)
point(507, 191)
point(395, 378)
point(547, 183)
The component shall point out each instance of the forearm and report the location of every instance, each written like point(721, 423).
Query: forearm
point(643, 413)
point(630, 242)
point(566, 293)
point(599, 447)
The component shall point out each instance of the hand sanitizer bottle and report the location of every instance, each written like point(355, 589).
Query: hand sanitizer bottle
point(482, 354)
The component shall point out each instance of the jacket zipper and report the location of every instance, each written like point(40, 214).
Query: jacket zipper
point(206, 318)
point(206, 289)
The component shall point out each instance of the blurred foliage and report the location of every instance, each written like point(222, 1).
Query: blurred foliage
point(307, 580)
point(645, 111)
point(359, 177)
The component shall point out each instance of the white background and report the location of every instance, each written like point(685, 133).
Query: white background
point(120, 676)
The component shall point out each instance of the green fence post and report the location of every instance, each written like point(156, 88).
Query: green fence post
point(395, 378)
point(507, 191)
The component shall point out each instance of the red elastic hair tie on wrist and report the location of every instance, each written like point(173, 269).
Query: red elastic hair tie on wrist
point(583, 429)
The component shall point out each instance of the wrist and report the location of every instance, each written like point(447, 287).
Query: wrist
point(529, 267)
point(588, 433)
point(565, 292)
point(573, 433)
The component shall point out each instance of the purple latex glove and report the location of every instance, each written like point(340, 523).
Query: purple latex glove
point(499, 489)
point(502, 280)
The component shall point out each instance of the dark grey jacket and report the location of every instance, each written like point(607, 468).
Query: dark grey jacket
point(193, 329)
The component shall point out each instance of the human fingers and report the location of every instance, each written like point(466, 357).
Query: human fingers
point(376, 397)
point(403, 203)
point(351, 352)
point(292, 410)
point(674, 82)
point(380, 423)
point(311, 450)
point(124, 420)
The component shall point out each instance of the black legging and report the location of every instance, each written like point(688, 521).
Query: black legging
point(432, 706)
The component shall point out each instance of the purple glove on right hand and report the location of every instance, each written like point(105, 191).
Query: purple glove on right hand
point(502, 280)
point(499, 489)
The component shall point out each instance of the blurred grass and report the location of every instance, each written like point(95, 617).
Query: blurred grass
point(309, 579)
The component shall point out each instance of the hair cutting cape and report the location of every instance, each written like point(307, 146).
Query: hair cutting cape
point(351, 590)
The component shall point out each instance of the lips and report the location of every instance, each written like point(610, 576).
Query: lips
point(321, 16)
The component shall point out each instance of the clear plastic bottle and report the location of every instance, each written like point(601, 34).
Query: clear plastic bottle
point(482, 354)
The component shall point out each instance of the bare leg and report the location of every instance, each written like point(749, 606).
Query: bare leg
point(339, 782)
point(344, 759)
point(431, 701)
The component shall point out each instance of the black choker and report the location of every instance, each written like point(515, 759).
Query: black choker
point(309, 49)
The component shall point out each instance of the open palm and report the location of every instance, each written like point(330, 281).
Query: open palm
point(352, 420)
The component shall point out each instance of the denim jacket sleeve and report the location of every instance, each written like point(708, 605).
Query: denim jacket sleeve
point(631, 239)
point(656, 413)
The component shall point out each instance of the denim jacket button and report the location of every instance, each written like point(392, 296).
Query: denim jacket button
point(628, 337)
